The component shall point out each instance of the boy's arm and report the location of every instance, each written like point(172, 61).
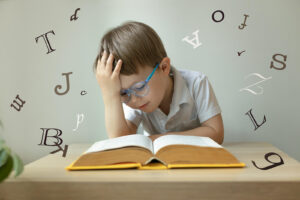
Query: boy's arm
point(110, 84)
point(212, 128)
point(115, 122)
point(209, 113)
point(208, 110)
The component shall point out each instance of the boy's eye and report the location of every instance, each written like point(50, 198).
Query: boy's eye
point(123, 93)
point(139, 87)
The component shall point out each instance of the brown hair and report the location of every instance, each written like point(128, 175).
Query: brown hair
point(135, 43)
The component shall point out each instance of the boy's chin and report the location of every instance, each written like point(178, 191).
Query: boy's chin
point(148, 108)
point(144, 107)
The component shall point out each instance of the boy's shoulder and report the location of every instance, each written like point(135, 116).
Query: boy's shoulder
point(191, 76)
point(194, 80)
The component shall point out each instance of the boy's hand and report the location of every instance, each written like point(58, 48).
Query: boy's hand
point(108, 81)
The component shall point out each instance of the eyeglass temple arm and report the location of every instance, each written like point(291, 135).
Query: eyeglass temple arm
point(149, 77)
point(152, 73)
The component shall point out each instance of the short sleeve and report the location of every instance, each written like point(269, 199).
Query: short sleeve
point(205, 99)
point(133, 115)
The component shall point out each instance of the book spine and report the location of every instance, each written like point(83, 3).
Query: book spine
point(155, 158)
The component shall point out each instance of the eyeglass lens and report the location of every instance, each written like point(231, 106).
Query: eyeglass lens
point(140, 89)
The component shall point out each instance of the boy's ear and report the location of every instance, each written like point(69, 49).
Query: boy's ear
point(166, 65)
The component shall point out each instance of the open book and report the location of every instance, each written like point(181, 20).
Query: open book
point(168, 151)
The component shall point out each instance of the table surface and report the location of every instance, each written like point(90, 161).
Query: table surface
point(51, 169)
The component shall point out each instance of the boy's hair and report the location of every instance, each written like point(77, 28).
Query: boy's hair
point(135, 43)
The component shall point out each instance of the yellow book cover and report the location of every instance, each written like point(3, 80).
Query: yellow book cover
point(166, 152)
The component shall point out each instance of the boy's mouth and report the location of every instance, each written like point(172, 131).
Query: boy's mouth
point(143, 106)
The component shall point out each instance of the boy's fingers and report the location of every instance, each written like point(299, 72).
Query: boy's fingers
point(109, 62)
point(98, 65)
point(118, 68)
point(103, 58)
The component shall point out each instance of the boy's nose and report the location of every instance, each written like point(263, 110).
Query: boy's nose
point(134, 100)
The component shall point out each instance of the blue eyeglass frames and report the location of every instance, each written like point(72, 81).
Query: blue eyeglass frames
point(139, 89)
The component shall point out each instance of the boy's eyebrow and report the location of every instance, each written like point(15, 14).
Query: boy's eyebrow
point(130, 85)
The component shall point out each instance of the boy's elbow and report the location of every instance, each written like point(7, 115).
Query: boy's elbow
point(221, 141)
point(221, 137)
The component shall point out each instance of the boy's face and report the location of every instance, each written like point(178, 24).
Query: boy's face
point(157, 86)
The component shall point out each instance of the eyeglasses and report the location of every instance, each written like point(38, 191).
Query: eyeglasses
point(139, 89)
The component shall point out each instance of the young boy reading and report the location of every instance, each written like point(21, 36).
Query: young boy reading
point(139, 84)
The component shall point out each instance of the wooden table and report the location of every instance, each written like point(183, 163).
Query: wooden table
point(47, 178)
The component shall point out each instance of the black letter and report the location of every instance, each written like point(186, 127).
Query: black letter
point(213, 16)
point(58, 131)
point(20, 106)
point(267, 158)
point(254, 121)
point(45, 37)
point(274, 58)
point(59, 86)
point(60, 149)
point(74, 17)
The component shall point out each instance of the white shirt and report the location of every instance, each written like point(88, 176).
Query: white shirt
point(193, 102)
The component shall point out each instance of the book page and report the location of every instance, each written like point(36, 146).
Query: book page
point(183, 139)
point(122, 141)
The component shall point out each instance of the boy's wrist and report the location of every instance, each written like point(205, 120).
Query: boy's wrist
point(111, 97)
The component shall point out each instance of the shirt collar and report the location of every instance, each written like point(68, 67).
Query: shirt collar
point(181, 93)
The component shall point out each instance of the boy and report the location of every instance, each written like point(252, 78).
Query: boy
point(139, 84)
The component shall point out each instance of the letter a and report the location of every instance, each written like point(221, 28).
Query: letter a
point(196, 39)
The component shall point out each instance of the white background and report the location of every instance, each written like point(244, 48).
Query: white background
point(26, 68)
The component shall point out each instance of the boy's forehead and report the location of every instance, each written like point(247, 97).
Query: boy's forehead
point(128, 80)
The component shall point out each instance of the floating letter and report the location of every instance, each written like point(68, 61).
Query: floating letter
point(196, 39)
point(267, 158)
point(79, 120)
point(44, 139)
point(244, 24)
point(19, 106)
point(213, 15)
point(239, 53)
point(46, 40)
point(83, 92)
point(274, 58)
point(59, 86)
point(60, 149)
point(253, 92)
point(254, 121)
point(74, 16)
